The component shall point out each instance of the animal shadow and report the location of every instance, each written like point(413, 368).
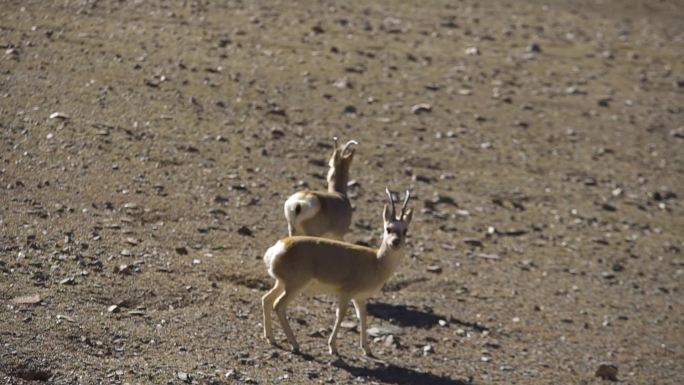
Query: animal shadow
point(394, 374)
point(403, 315)
point(410, 316)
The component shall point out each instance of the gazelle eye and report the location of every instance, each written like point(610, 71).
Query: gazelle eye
point(389, 230)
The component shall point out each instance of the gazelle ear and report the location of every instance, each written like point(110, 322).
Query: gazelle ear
point(350, 154)
point(408, 216)
point(387, 214)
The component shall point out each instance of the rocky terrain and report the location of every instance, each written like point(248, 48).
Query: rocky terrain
point(146, 149)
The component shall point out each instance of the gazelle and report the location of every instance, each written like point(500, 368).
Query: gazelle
point(324, 213)
point(346, 270)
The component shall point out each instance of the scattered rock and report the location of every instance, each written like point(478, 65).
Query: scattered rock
point(534, 48)
point(349, 110)
point(472, 242)
point(604, 102)
point(123, 269)
point(678, 132)
point(607, 372)
point(113, 309)
point(381, 331)
point(138, 312)
point(59, 115)
point(181, 250)
point(244, 230)
point(436, 269)
point(393, 25)
point(608, 207)
point(66, 318)
point(185, 377)
point(421, 108)
point(68, 281)
point(31, 299)
point(472, 51)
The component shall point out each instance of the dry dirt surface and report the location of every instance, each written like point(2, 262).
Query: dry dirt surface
point(146, 149)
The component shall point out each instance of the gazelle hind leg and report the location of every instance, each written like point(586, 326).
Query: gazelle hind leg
point(360, 306)
point(288, 294)
point(267, 305)
point(342, 305)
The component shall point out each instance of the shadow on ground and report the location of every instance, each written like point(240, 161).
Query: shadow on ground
point(409, 316)
point(393, 374)
point(403, 315)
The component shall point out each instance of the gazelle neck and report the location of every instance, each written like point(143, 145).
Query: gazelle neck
point(338, 182)
point(389, 258)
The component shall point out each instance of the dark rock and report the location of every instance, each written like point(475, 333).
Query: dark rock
point(244, 230)
point(472, 242)
point(607, 372)
point(534, 48)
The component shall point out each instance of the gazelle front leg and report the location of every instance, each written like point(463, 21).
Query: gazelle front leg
point(342, 305)
point(360, 306)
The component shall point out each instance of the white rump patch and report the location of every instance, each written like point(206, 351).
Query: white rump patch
point(300, 207)
point(272, 253)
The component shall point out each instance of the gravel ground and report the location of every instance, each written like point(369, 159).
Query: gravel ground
point(146, 149)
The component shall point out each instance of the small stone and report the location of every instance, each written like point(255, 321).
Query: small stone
point(181, 250)
point(608, 207)
point(381, 331)
point(428, 349)
point(472, 51)
point(183, 377)
point(66, 318)
point(442, 323)
point(67, 281)
point(472, 242)
point(607, 275)
point(59, 115)
point(349, 325)
point(350, 110)
point(138, 312)
point(390, 341)
point(277, 133)
point(607, 372)
point(436, 269)
point(125, 253)
point(31, 299)
point(123, 269)
point(534, 48)
point(677, 132)
point(604, 102)
point(244, 230)
point(113, 309)
point(131, 241)
point(421, 108)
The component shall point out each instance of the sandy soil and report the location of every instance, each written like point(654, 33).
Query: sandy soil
point(146, 150)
